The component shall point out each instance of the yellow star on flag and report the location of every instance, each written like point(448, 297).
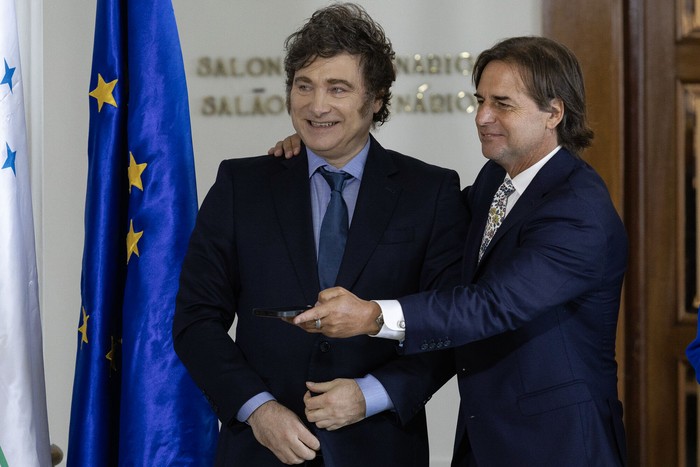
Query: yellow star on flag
point(111, 355)
point(103, 92)
point(135, 171)
point(83, 327)
point(132, 240)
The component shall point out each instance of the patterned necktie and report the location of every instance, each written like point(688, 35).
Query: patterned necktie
point(496, 213)
point(334, 230)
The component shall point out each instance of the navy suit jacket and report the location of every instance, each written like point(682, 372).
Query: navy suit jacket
point(534, 324)
point(253, 246)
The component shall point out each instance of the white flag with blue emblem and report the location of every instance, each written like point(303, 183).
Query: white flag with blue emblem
point(24, 432)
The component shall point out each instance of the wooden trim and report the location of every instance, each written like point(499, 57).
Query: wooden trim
point(635, 219)
point(687, 63)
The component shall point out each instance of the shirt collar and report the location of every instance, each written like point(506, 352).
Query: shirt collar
point(354, 167)
point(523, 179)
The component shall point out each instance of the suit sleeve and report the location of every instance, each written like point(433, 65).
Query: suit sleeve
point(425, 374)
point(561, 252)
point(206, 306)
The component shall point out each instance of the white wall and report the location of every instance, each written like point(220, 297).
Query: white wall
point(58, 108)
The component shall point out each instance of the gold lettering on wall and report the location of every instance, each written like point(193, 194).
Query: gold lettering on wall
point(438, 103)
point(255, 67)
point(434, 64)
point(432, 97)
point(242, 106)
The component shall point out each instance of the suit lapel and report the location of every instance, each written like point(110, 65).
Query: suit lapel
point(479, 197)
point(375, 205)
point(292, 198)
point(551, 175)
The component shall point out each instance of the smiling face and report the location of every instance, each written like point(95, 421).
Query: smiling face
point(513, 131)
point(329, 108)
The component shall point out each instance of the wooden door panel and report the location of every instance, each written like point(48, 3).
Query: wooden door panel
point(641, 60)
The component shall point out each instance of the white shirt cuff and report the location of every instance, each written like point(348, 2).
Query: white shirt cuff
point(394, 324)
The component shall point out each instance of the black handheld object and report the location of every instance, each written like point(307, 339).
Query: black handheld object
point(281, 311)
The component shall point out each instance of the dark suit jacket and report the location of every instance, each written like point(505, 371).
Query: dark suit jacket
point(253, 246)
point(534, 324)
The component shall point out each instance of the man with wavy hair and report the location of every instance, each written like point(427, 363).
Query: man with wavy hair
point(261, 241)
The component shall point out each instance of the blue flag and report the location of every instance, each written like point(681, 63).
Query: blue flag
point(133, 402)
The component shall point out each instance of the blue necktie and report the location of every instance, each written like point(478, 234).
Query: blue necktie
point(334, 230)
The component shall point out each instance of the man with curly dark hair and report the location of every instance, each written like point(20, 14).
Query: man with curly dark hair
point(264, 238)
point(346, 29)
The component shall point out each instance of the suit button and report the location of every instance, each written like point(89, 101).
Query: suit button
point(325, 346)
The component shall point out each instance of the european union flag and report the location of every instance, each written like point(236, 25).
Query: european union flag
point(133, 402)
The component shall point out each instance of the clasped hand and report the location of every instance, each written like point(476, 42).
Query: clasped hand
point(329, 405)
point(280, 430)
point(333, 405)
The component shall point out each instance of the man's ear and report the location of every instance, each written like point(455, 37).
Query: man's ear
point(377, 103)
point(556, 113)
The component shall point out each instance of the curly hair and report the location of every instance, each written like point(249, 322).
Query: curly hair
point(345, 28)
point(549, 70)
